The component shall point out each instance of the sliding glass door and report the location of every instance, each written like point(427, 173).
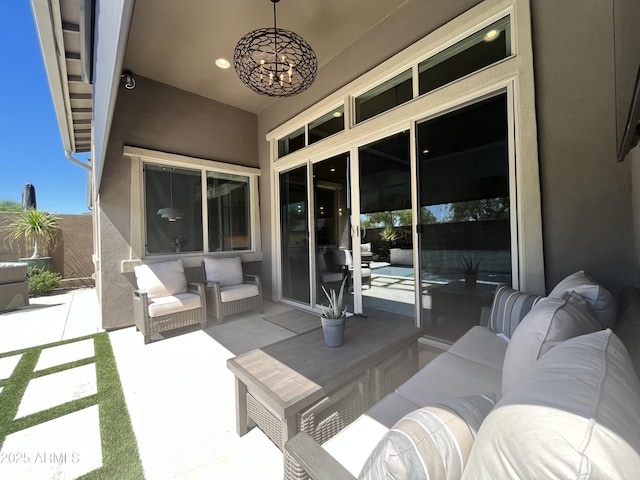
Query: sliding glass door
point(294, 235)
point(465, 213)
point(386, 243)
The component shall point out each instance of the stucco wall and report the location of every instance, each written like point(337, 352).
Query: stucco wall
point(158, 117)
point(586, 195)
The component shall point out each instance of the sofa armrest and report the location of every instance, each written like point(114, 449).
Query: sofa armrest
point(316, 461)
point(255, 279)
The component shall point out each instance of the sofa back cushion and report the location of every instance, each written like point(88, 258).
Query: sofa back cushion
point(431, 442)
point(161, 279)
point(575, 414)
point(600, 299)
point(227, 271)
point(550, 322)
point(508, 309)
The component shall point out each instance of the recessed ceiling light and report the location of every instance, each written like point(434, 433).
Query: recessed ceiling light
point(222, 63)
point(491, 35)
point(332, 169)
point(337, 114)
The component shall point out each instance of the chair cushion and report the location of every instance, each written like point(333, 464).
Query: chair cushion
point(575, 414)
point(238, 292)
point(431, 442)
point(549, 323)
point(12, 272)
point(161, 279)
point(600, 299)
point(181, 302)
point(227, 271)
point(509, 308)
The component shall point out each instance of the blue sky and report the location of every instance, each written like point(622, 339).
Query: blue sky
point(31, 149)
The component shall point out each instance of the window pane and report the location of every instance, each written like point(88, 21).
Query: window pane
point(173, 209)
point(228, 202)
point(327, 125)
point(464, 193)
point(384, 97)
point(291, 143)
point(295, 235)
point(481, 49)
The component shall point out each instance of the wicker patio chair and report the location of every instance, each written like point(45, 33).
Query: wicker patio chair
point(14, 287)
point(165, 301)
point(228, 290)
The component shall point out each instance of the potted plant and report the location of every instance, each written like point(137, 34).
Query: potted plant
point(470, 271)
point(175, 236)
point(36, 227)
point(333, 317)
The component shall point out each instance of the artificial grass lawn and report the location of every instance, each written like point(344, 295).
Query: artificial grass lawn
point(120, 457)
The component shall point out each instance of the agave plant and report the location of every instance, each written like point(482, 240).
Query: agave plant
point(469, 266)
point(34, 226)
point(334, 310)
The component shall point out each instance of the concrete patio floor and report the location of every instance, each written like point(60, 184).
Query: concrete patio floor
point(178, 391)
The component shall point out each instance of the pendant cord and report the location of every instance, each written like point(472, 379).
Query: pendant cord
point(275, 38)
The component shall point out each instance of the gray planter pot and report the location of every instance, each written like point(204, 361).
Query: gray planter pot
point(333, 329)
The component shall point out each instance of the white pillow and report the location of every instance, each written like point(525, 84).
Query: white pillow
point(431, 442)
point(575, 414)
point(161, 279)
point(549, 323)
point(600, 299)
point(227, 271)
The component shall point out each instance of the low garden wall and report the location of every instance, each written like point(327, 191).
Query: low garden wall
point(71, 257)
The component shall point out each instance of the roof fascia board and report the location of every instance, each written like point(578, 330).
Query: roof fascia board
point(45, 26)
point(111, 33)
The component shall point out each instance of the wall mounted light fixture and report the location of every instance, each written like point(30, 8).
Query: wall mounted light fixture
point(128, 80)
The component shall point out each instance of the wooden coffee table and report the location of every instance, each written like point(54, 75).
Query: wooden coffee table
point(299, 384)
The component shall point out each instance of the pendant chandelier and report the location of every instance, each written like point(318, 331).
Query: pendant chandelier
point(170, 213)
point(274, 61)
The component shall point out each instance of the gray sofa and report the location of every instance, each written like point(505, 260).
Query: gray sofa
point(545, 390)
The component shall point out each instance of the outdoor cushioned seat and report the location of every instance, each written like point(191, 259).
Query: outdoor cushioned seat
point(482, 346)
point(228, 290)
point(173, 304)
point(164, 300)
point(574, 414)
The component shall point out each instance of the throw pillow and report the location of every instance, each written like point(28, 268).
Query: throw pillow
point(600, 299)
point(161, 279)
point(431, 442)
point(550, 322)
point(227, 271)
point(508, 309)
point(575, 414)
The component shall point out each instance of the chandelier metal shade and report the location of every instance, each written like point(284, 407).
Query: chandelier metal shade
point(274, 61)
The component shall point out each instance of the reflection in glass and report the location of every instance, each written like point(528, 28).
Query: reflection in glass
point(384, 97)
point(228, 209)
point(327, 125)
point(465, 229)
point(173, 215)
point(332, 224)
point(294, 235)
point(464, 193)
point(481, 49)
point(292, 142)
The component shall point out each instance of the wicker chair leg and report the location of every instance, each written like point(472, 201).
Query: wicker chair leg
point(147, 339)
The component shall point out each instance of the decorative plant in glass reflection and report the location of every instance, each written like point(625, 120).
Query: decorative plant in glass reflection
point(177, 239)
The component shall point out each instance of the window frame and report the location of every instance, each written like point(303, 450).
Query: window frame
point(513, 74)
point(139, 157)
